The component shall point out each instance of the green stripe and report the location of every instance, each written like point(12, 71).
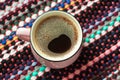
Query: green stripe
point(104, 28)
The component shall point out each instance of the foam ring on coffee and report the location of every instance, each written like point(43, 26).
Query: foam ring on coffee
point(51, 27)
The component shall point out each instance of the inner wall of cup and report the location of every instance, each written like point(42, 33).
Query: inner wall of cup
point(43, 50)
point(54, 30)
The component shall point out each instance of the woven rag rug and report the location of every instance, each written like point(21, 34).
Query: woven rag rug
point(99, 59)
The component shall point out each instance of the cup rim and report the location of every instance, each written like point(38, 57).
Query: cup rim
point(36, 52)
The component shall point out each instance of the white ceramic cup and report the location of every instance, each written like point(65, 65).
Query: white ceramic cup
point(57, 61)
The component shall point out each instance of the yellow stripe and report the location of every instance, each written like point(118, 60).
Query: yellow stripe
point(8, 42)
point(66, 6)
point(15, 38)
point(61, 9)
point(2, 46)
point(72, 2)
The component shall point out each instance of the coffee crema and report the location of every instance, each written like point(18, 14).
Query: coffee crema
point(56, 34)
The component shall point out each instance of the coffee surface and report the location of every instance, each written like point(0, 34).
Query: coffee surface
point(60, 44)
point(55, 35)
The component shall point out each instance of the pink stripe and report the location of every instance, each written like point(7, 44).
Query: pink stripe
point(102, 55)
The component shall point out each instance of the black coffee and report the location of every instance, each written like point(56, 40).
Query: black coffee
point(60, 44)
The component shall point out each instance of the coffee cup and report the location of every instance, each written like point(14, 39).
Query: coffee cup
point(55, 39)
